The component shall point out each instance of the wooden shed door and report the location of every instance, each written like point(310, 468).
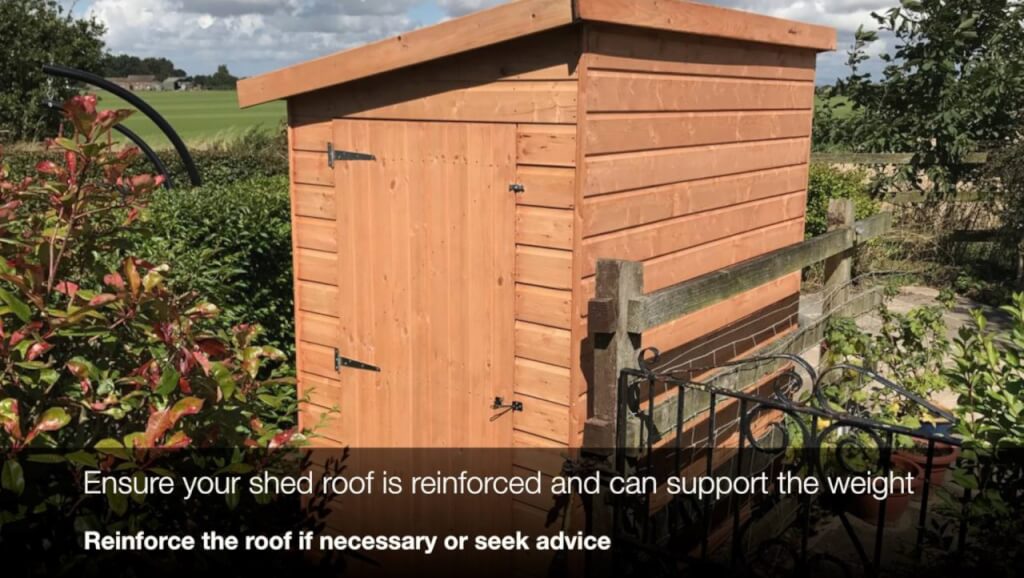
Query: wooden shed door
point(426, 282)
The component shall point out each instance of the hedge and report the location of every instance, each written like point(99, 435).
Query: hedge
point(254, 154)
point(231, 243)
point(229, 239)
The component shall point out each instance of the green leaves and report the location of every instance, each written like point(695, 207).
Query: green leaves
point(168, 382)
point(17, 306)
point(12, 477)
point(52, 420)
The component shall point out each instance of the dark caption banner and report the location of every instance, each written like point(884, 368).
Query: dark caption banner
point(493, 512)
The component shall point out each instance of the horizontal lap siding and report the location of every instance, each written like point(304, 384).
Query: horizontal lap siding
point(315, 246)
point(546, 160)
point(694, 158)
point(530, 82)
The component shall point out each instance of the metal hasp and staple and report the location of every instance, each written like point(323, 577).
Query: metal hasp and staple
point(340, 361)
point(336, 155)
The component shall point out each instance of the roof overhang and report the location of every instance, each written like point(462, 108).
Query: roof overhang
point(522, 18)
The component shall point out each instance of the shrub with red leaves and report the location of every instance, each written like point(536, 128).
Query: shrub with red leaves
point(112, 359)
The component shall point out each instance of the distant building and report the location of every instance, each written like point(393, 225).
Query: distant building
point(138, 82)
point(176, 83)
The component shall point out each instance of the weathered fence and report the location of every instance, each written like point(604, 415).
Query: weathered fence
point(620, 313)
point(726, 419)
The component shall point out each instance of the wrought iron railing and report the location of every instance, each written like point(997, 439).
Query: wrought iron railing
point(788, 424)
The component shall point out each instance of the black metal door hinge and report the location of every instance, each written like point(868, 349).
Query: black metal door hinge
point(340, 362)
point(499, 403)
point(336, 155)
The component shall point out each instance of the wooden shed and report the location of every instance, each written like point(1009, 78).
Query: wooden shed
point(453, 188)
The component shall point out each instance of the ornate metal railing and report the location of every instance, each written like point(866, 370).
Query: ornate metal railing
point(795, 423)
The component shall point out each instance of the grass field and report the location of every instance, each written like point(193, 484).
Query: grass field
point(200, 117)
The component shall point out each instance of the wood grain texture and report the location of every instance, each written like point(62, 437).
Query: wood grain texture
point(635, 91)
point(313, 136)
point(311, 168)
point(611, 47)
point(477, 30)
point(316, 360)
point(549, 102)
point(322, 391)
point(649, 241)
point(320, 329)
point(316, 266)
point(542, 380)
point(314, 201)
point(546, 186)
point(543, 418)
point(544, 227)
point(629, 171)
point(544, 267)
point(541, 343)
point(694, 18)
point(546, 145)
point(545, 306)
point(607, 213)
point(317, 298)
point(426, 238)
point(317, 234)
point(616, 132)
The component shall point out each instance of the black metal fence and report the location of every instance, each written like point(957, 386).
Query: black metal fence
point(793, 424)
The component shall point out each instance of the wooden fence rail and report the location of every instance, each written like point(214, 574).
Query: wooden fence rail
point(978, 158)
point(675, 301)
point(620, 313)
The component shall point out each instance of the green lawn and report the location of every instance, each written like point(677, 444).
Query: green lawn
point(843, 107)
point(198, 116)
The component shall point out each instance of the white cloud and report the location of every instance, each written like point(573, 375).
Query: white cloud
point(254, 36)
point(249, 35)
point(460, 7)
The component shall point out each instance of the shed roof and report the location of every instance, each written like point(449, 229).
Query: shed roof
point(522, 18)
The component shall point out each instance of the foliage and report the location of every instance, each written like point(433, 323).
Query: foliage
point(231, 243)
point(825, 183)
point(953, 84)
point(988, 375)
point(34, 33)
point(1004, 179)
point(121, 65)
point(256, 153)
point(909, 349)
point(220, 80)
point(119, 353)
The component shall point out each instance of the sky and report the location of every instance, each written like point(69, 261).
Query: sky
point(255, 36)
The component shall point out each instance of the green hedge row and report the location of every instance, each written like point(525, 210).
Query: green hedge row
point(254, 154)
point(229, 239)
point(232, 243)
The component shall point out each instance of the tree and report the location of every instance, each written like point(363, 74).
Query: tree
point(954, 84)
point(220, 80)
point(120, 65)
point(34, 33)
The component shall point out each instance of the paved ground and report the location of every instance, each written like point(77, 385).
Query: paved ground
point(916, 296)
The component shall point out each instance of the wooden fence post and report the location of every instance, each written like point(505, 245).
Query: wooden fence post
point(615, 348)
point(838, 268)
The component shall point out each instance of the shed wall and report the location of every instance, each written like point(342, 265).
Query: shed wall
point(530, 83)
point(694, 155)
